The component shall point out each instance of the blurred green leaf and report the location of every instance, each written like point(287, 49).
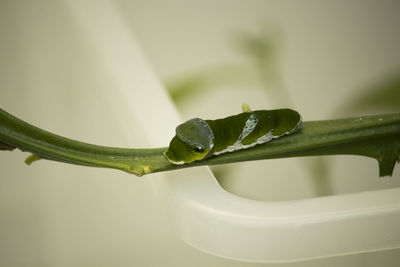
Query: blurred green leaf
point(201, 81)
point(383, 94)
point(263, 50)
point(261, 47)
point(259, 67)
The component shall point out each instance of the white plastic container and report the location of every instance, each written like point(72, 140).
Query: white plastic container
point(217, 222)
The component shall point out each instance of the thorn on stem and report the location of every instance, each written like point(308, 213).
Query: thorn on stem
point(386, 166)
point(246, 108)
point(31, 158)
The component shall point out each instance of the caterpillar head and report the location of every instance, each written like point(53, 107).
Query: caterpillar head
point(194, 140)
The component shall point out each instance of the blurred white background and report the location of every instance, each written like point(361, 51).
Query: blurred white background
point(325, 55)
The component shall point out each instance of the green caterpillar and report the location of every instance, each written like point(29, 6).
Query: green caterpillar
point(197, 139)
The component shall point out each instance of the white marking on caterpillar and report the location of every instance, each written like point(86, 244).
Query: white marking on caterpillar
point(249, 127)
point(210, 135)
point(298, 126)
point(261, 140)
point(266, 137)
point(179, 162)
point(238, 146)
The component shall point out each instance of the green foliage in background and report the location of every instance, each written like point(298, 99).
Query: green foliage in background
point(382, 94)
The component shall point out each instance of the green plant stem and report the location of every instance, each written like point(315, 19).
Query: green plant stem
point(372, 136)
